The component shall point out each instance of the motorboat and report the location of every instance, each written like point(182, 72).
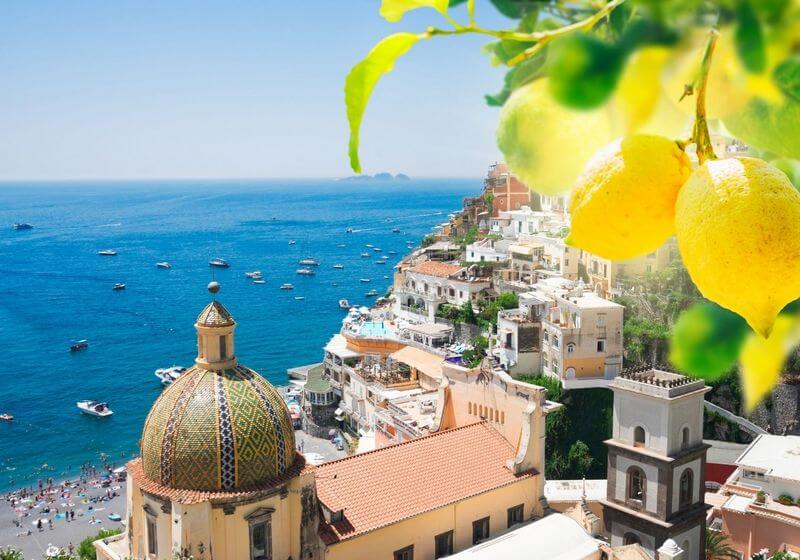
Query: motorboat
point(369, 245)
point(259, 281)
point(107, 253)
point(396, 230)
point(308, 261)
point(365, 255)
point(299, 298)
point(163, 264)
point(94, 408)
point(389, 220)
point(21, 226)
point(344, 304)
point(338, 266)
point(219, 263)
point(79, 345)
point(341, 245)
point(118, 286)
point(6, 417)
point(253, 275)
point(385, 277)
point(365, 280)
point(292, 242)
point(349, 230)
point(371, 293)
point(380, 261)
point(170, 374)
point(377, 249)
point(287, 286)
point(305, 272)
point(392, 252)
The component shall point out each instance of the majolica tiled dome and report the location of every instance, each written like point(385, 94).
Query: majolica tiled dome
point(217, 431)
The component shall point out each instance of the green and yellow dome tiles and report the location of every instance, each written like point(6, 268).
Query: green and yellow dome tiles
point(217, 431)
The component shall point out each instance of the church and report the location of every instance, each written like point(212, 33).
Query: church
point(220, 475)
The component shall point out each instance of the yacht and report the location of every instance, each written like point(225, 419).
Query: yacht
point(365, 280)
point(308, 261)
point(163, 264)
point(369, 245)
point(292, 242)
point(372, 293)
point(219, 263)
point(299, 298)
point(396, 230)
point(253, 275)
point(365, 255)
point(392, 252)
point(341, 245)
point(259, 280)
point(118, 286)
point(79, 345)
point(385, 277)
point(338, 266)
point(380, 261)
point(22, 225)
point(170, 374)
point(349, 230)
point(344, 304)
point(107, 253)
point(377, 249)
point(6, 417)
point(287, 286)
point(305, 272)
point(94, 408)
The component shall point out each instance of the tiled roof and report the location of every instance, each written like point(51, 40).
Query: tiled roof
point(436, 268)
point(135, 469)
point(388, 485)
point(215, 315)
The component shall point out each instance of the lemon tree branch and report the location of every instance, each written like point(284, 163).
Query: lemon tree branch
point(700, 134)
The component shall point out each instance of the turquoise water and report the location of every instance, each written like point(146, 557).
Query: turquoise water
point(56, 289)
point(373, 328)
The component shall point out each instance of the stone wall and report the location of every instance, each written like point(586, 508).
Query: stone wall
point(781, 413)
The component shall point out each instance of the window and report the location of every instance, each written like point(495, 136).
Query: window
point(545, 336)
point(515, 515)
point(152, 536)
point(630, 538)
point(261, 540)
point(601, 345)
point(223, 347)
point(685, 495)
point(406, 553)
point(444, 545)
point(638, 436)
point(480, 530)
point(636, 484)
point(570, 348)
point(685, 437)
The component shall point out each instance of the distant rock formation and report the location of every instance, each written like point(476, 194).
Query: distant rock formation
point(378, 177)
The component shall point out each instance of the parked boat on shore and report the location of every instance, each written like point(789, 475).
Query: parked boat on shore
point(94, 408)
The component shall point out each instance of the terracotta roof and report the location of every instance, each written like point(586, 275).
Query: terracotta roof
point(215, 315)
point(135, 470)
point(388, 485)
point(436, 268)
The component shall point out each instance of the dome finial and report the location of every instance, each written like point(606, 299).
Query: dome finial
point(214, 287)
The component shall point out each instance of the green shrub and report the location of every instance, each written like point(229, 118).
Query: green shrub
point(761, 497)
point(86, 550)
point(786, 499)
point(8, 553)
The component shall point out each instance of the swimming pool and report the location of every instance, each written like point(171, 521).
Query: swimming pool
point(374, 328)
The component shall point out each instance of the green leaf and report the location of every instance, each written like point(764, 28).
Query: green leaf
point(749, 39)
point(787, 76)
point(394, 10)
point(706, 340)
point(516, 9)
point(362, 78)
point(584, 70)
point(768, 127)
point(521, 74)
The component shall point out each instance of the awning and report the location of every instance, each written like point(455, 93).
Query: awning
point(338, 412)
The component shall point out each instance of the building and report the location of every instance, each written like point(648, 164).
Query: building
point(488, 249)
point(757, 506)
point(656, 462)
point(507, 192)
point(608, 277)
point(220, 476)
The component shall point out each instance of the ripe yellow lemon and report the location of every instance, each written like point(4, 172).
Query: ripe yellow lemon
point(738, 226)
point(623, 204)
point(546, 145)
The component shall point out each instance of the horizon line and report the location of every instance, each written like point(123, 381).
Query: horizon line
point(347, 178)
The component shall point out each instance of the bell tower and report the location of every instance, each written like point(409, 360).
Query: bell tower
point(656, 462)
point(215, 327)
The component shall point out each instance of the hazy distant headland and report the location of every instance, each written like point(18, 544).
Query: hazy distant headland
point(378, 177)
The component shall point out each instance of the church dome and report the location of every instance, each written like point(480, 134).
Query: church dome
point(220, 426)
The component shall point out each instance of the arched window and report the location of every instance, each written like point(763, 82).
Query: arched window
point(638, 436)
point(631, 538)
point(685, 437)
point(637, 483)
point(687, 479)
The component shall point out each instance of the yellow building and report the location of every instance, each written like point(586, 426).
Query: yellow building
point(220, 477)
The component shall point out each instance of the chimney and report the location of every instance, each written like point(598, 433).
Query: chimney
point(670, 551)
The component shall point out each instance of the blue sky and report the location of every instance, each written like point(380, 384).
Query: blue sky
point(204, 89)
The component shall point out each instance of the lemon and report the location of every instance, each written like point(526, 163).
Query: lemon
point(762, 359)
point(737, 222)
point(623, 204)
point(546, 145)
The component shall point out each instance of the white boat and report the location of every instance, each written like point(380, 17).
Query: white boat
point(341, 245)
point(219, 263)
point(299, 298)
point(385, 277)
point(396, 230)
point(22, 226)
point(292, 242)
point(371, 293)
point(170, 374)
point(6, 417)
point(344, 304)
point(308, 261)
point(94, 408)
point(287, 286)
point(79, 345)
point(118, 286)
point(338, 266)
point(392, 252)
point(107, 253)
point(254, 274)
point(365, 255)
point(364, 280)
point(349, 230)
point(377, 249)
point(259, 281)
point(380, 261)
point(305, 272)
point(163, 264)
point(369, 245)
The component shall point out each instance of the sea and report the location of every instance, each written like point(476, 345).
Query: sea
point(55, 289)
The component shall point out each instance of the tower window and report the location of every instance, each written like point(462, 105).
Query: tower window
point(638, 436)
point(152, 536)
point(636, 484)
point(631, 538)
point(261, 541)
point(223, 347)
point(685, 438)
point(687, 479)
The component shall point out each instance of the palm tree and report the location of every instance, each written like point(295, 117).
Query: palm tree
point(717, 547)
